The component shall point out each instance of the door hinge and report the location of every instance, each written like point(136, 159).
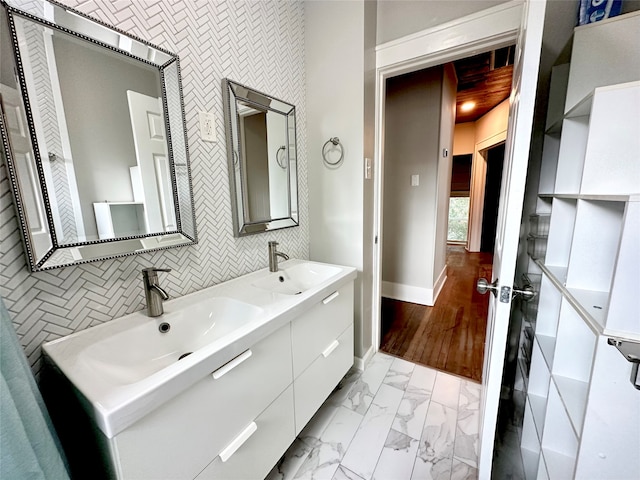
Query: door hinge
point(375, 240)
point(505, 294)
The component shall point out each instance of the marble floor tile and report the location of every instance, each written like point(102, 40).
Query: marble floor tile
point(399, 373)
point(343, 473)
point(362, 455)
point(396, 420)
point(467, 440)
point(324, 458)
point(412, 412)
point(311, 433)
point(435, 455)
point(290, 462)
point(446, 390)
point(423, 377)
point(397, 457)
point(362, 392)
point(462, 471)
point(341, 392)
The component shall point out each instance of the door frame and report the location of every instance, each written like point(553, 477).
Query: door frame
point(489, 29)
point(477, 189)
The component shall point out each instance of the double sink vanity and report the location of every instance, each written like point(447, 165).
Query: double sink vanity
point(216, 387)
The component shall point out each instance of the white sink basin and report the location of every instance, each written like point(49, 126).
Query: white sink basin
point(125, 368)
point(135, 353)
point(297, 278)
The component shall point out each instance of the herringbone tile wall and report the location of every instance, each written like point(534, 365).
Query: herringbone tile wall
point(257, 43)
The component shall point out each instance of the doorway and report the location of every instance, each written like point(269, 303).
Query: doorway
point(443, 325)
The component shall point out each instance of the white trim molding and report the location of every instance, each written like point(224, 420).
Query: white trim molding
point(443, 42)
point(413, 294)
point(361, 363)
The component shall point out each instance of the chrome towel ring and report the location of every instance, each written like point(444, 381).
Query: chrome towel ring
point(335, 145)
point(282, 159)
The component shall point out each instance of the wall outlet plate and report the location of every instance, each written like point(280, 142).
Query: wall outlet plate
point(207, 126)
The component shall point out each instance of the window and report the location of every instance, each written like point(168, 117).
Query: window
point(458, 219)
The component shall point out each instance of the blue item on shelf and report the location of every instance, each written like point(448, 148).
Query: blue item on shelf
point(595, 10)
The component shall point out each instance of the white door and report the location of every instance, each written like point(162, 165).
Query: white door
point(25, 164)
point(509, 216)
point(147, 122)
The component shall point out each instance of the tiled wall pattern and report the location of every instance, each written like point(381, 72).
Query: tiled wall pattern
point(260, 44)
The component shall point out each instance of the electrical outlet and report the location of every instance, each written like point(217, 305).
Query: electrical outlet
point(207, 126)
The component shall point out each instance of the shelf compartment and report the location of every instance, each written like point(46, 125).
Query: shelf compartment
point(559, 441)
point(539, 224)
point(613, 42)
point(571, 155)
point(557, 96)
point(537, 247)
point(549, 163)
point(563, 217)
point(530, 461)
point(549, 301)
point(611, 162)
point(594, 253)
point(547, 347)
point(574, 398)
point(625, 288)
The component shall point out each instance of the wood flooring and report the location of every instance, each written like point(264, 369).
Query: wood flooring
point(450, 335)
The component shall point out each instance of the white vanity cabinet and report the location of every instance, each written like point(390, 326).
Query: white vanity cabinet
point(179, 439)
point(322, 342)
point(238, 421)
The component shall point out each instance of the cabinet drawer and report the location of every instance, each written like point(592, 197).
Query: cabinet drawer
point(316, 329)
point(316, 383)
point(181, 437)
point(254, 458)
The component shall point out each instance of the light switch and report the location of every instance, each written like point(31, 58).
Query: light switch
point(415, 180)
point(367, 169)
point(207, 126)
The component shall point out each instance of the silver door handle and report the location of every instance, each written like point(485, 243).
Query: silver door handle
point(526, 293)
point(483, 286)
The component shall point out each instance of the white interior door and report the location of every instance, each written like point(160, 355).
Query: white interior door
point(26, 170)
point(509, 216)
point(147, 122)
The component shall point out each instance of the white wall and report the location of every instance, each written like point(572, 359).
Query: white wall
point(398, 18)
point(464, 138)
point(492, 123)
point(419, 121)
point(334, 40)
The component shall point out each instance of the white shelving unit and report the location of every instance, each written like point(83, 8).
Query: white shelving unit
point(582, 415)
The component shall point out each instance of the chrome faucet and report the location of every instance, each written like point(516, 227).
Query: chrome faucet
point(153, 292)
point(273, 256)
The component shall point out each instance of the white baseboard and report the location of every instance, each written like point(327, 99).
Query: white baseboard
point(410, 293)
point(361, 363)
point(437, 288)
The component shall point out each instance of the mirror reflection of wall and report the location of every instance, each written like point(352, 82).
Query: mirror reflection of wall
point(99, 128)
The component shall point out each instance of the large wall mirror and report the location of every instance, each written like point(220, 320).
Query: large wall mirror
point(94, 137)
point(261, 147)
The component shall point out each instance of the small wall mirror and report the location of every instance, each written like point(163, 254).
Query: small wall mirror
point(94, 137)
point(261, 148)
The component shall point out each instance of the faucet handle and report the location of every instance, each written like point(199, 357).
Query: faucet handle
point(149, 270)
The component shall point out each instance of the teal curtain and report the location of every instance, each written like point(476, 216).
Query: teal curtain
point(29, 446)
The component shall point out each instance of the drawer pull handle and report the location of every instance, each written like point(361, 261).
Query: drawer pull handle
point(330, 348)
point(227, 367)
point(238, 442)
point(331, 297)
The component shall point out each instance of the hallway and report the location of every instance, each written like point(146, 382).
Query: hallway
point(450, 335)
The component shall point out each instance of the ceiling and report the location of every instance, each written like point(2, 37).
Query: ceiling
point(484, 79)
